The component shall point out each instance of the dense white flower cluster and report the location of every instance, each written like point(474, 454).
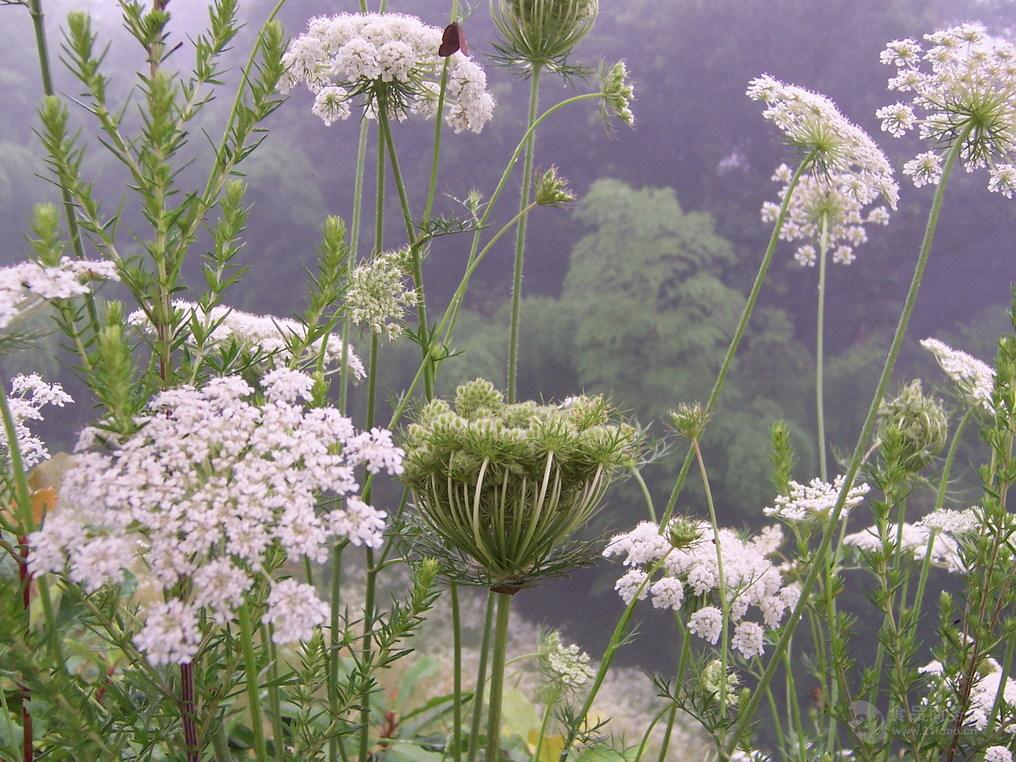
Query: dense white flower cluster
point(987, 680)
point(814, 500)
point(267, 335)
point(340, 57)
point(28, 395)
point(564, 663)
point(691, 571)
point(997, 754)
point(945, 550)
point(975, 379)
point(24, 285)
point(813, 124)
point(193, 503)
point(955, 523)
point(378, 293)
point(964, 84)
point(829, 199)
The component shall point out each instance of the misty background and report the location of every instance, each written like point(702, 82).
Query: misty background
point(635, 291)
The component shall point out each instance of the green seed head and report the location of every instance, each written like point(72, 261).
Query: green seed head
point(541, 32)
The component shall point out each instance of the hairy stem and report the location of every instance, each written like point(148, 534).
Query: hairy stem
point(500, 648)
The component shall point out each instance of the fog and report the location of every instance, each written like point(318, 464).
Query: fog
point(696, 133)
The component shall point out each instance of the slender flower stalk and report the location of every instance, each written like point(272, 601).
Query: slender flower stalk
point(820, 349)
point(253, 689)
point(819, 559)
point(742, 325)
point(500, 646)
point(520, 234)
point(481, 678)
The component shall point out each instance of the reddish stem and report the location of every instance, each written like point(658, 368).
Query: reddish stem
point(190, 732)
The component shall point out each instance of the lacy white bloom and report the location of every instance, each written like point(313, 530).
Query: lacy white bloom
point(706, 623)
point(631, 584)
point(997, 754)
point(814, 499)
point(749, 639)
point(945, 550)
point(955, 523)
point(833, 202)
point(963, 85)
point(924, 169)
point(202, 492)
point(987, 680)
point(378, 293)
point(564, 663)
point(267, 336)
point(691, 571)
point(294, 611)
point(171, 634)
point(390, 56)
point(27, 284)
point(813, 124)
point(28, 395)
point(975, 379)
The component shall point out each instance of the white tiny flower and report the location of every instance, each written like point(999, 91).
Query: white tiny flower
point(331, 104)
point(997, 754)
point(706, 623)
point(1003, 179)
point(814, 500)
point(924, 169)
point(748, 640)
point(630, 584)
point(975, 379)
point(667, 593)
point(294, 611)
point(170, 634)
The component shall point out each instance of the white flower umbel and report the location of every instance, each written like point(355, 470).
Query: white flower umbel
point(267, 336)
point(833, 202)
point(364, 56)
point(814, 500)
point(975, 379)
point(689, 578)
point(564, 663)
point(839, 148)
point(211, 490)
point(945, 550)
point(379, 293)
point(962, 87)
point(987, 680)
point(955, 523)
point(24, 286)
point(28, 395)
point(997, 754)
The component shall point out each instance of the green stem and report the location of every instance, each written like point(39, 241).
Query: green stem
point(823, 250)
point(794, 707)
point(435, 160)
point(366, 652)
point(722, 582)
point(354, 245)
point(417, 261)
point(453, 590)
point(819, 560)
point(251, 671)
point(481, 679)
point(548, 712)
point(333, 645)
point(682, 663)
point(500, 648)
point(520, 236)
point(950, 457)
point(274, 696)
point(742, 326)
point(616, 639)
point(646, 494)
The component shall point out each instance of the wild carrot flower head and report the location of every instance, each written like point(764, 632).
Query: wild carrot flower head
point(917, 422)
point(811, 123)
point(209, 495)
point(618, 92)
point(387, 57)
point(962, 86)
point(563, 663)
point(835, 203)
point(28, 395)
point(28, 284)
point(541, 32)
point(974, 379)
point(271, 340)
point(913, 541)
point(378, 294)
point(814, 500)
point(502, 488)
point(689, 579)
